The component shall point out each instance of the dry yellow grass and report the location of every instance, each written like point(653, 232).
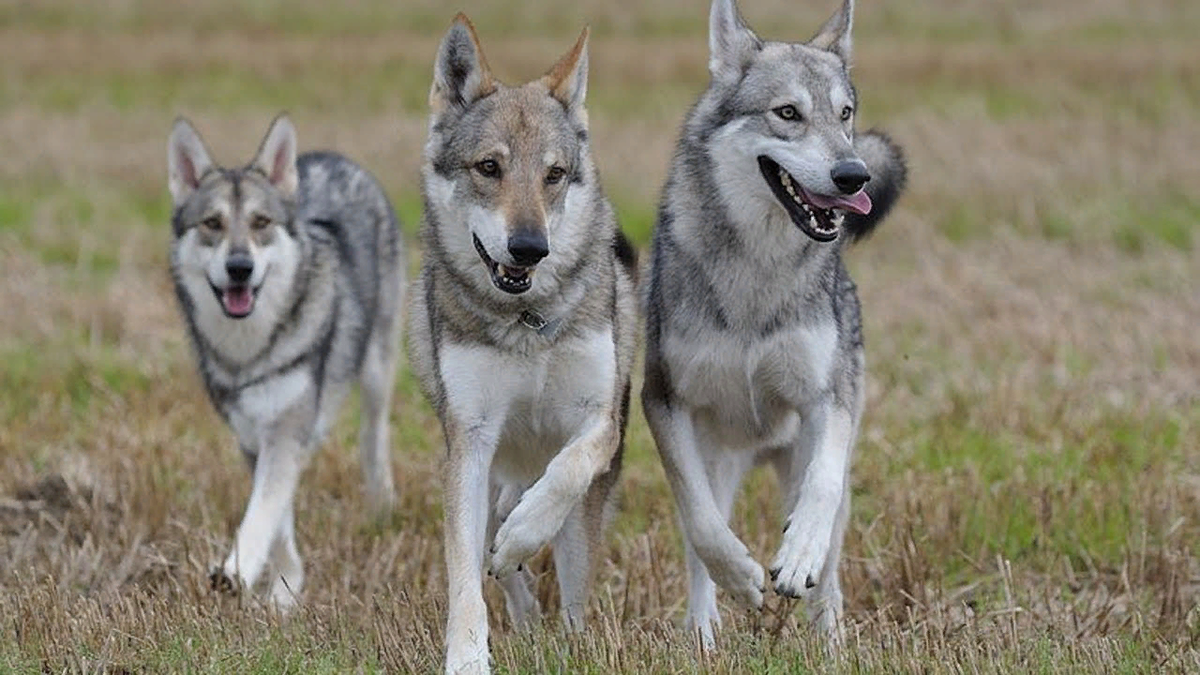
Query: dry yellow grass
point(1028, 480)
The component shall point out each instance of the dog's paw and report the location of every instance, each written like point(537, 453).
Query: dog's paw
point(703, 623)
point(526, 530)
point(467, 660)
point(800, 560)
point(223, 583)
point(730, 564)
point(285, 594)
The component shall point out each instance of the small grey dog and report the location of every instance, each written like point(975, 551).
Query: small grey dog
point(754, 347)
point(290, 277)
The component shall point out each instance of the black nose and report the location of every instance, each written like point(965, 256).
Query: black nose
point(527, 248)
point(239, 266)
point(850, 175)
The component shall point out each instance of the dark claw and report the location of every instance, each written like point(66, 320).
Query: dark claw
point(221, 583)
point(521, 567)
point(809, 582)
point(787, 592)
point(775, 573)
point(786, 524)
point(492, 550)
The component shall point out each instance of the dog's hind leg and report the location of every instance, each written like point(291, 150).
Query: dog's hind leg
point(378, 379)
point(572, 566)
point(579, 546)
point(725, 471)
point(519, 601)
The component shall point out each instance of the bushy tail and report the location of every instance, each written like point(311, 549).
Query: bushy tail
point(626, 254)
point(885, 161)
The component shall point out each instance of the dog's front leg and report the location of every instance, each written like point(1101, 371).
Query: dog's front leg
point(827, 438)
point(727, 559)
point(277, 470)
point(544, 506)
point(465, 481)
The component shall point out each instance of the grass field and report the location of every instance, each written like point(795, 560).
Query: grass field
point(1027, 483)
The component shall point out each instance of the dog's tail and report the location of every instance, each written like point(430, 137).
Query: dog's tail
point(889, 172)
point(626, 254)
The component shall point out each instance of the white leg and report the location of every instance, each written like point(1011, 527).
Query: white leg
point(827, 438)
point(726, 558)
point(519, 601)
point(276, 473)
point(466, 506)
point(288, 578)
point(544, 507)
point(378, 379)
point(825, 605)
point(725, 472)
point(572, 565)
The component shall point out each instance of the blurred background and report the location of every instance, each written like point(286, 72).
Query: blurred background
point(1029, 462)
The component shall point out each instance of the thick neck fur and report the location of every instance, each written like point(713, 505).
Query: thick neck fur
point(757, 262)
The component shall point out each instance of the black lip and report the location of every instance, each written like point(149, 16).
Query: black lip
point(221, 301)
point(770, 172)
point(508, 284)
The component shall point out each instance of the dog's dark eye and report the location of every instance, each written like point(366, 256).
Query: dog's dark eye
point(846, 113)
point(259, 222)
point(788, 112)
point(212, 222)
point(555, 175)
point(488, 168)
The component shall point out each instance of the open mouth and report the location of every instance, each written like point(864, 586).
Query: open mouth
point(514, 280)
point(236, 299)
point(818, 216)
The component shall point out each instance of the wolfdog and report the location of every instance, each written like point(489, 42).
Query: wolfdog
point(754, 346)
point(290, 278)
point(522, 333)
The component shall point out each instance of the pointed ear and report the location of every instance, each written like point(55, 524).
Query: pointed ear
point(567, 80)
point(834, 36)
point(276, 156)
point(731, 44)
point(187, 161)
point(460, 73)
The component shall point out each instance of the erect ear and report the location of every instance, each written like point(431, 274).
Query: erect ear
point(567, 79)
point(834, 36)
point(277, 156)
point(731, 44)
point(460, 72)
point(187, 160)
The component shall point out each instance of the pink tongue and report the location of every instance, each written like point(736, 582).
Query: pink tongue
point(858, 202)
point(238, 300)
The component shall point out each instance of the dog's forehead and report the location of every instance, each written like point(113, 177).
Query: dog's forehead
point(232, 193)
point(796, 71)
point(255, 194)
point(528, 122)
point(215, 195)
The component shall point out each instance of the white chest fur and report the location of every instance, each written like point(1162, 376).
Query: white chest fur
point(750, 389)
point(536, 402)
point(259, 405)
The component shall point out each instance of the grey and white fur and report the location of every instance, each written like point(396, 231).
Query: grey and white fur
point(290, 276)
point(522, 334)
point(754, 348)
